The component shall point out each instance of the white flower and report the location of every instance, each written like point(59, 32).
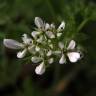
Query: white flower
point(26, 40)
point(51, 60)
point(61, 27)
point(35, 34)
point(40, 69)
point(50, 34)
point(49, 41)
point(73, 56)
point(49, 53)
point(45, 45)
point(13, 44)
point(62, 59)
point(36, 59)
point(61, 45)
point(59, 34)
point(52, 26)
point(37, 48)
point(42, 26)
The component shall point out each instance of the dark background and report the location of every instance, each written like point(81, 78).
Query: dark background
point(17, 76)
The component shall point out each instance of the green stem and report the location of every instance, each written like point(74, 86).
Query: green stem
point(80, 27)
point(82, 24)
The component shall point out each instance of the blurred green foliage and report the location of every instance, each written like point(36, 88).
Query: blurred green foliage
point(17, 77)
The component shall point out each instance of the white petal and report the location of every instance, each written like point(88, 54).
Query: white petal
point(50, 34)
point(49, 41)
point(50, 61)
point(51, 46)
point(49, 53)
point(35, 34)
point(40, 69)
point(13, 44)
point(26, 39)
point(73, 56)
point(62, 59)
point(21, 54)
point(37, 48)
point(71, 45)
point(52, 26)
point(36, 59)
point(47, 26)
point(61, 45)
point(59, 34)
point(61, 27)
point(39, 22)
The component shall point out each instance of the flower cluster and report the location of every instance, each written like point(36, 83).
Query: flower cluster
point(45, 46)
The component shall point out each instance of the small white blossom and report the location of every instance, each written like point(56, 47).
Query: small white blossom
point(51, 60)
point(52, 26)
point(50, 34)
point(61, 45)
point(42, 26)
point(40, 69)
point(73, 56)
point(61, 27)
point(37, 48)
point(35, 34)
point(13, 44)
point(26, 39)
point(49, 53)
point(59, 34)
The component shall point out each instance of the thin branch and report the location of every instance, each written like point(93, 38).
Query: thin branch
point(82, 24)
